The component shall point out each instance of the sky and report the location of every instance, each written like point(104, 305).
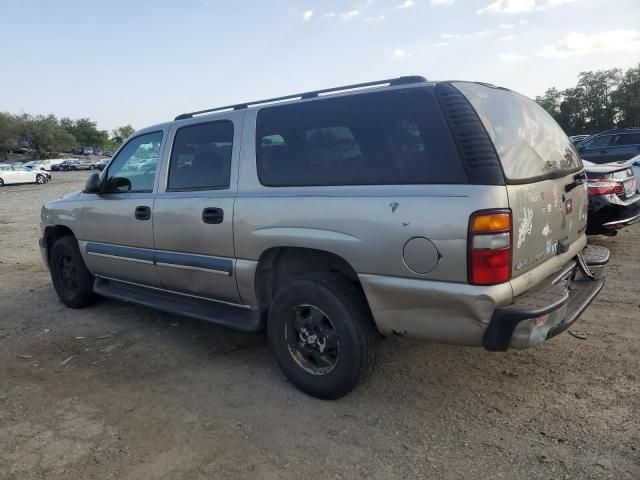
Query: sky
point(142, 62)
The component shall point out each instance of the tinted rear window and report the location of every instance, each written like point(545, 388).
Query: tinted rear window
point(529, 142)
point(391, 138)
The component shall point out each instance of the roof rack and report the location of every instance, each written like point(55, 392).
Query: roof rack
point(303, 96)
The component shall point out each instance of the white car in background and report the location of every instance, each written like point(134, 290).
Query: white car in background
point(11, 174)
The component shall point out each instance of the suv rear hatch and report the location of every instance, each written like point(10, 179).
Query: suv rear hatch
point(545, 181)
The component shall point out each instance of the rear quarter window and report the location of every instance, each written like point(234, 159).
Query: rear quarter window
point(628, 139)
point(529, 142)
point(383, 138)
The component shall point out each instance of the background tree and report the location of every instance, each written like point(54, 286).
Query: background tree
point(601, 100)
point(550, 101)
point(599, 110)
point(86, 132)
point(45, 135)
point(120, 134)
point(572, 118)
point(627, 98)
point(9, 134)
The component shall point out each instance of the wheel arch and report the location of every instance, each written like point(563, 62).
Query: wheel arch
point(278, 265)
point(53, 233)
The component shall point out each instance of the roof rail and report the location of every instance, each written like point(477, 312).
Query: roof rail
point(316, 93)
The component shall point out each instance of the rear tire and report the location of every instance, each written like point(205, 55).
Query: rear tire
point(71, 280)
point(1, 183)
point(322, 334)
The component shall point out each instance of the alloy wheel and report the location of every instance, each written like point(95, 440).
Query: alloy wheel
point(312, 340)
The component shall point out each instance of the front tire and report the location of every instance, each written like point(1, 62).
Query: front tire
point(1, 183)
point(71, 280)
point(322, 334)
point(40, 179)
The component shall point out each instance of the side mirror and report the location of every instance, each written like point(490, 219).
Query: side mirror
point(93, 183)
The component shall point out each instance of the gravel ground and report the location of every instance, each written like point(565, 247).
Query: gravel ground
point(117, 391)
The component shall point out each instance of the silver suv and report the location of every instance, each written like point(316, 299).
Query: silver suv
point(449, 211)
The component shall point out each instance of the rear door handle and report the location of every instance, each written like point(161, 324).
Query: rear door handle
point(143, 213)
point(212, 215)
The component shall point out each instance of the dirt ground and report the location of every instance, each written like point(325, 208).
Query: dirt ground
point(117, 391)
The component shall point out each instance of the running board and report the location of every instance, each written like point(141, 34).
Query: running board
point(227, 315)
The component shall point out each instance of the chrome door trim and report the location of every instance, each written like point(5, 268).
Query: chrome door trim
point(186, 261)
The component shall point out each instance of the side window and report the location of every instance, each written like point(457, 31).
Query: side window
point(385, 138)
point(407, 136)
point(331, 147)
point(628, 139)
point(602, 141)
point(134, 168)
point(201, 157)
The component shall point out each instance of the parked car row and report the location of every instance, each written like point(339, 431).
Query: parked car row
point(62, 164)
point(70, 165)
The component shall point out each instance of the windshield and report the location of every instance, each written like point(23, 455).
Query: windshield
point(529, 142)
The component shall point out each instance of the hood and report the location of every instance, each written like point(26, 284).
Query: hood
point(69, 195)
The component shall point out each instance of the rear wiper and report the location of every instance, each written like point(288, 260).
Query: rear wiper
point(578, 179)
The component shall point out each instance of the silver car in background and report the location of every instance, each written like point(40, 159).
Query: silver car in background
point(449, 211)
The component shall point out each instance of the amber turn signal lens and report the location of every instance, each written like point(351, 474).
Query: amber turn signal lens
point(493, 222)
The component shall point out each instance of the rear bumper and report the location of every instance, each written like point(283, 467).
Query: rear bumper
point(612, 217)
point(551, 308)
point(622, 222)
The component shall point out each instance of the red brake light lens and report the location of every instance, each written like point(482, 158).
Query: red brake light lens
point(490, 267)
point(490, 248)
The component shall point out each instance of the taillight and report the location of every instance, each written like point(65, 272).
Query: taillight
point(604, 186)
point(489, 247)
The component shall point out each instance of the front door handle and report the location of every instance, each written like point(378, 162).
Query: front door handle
point(143, 213)
point(212, 215)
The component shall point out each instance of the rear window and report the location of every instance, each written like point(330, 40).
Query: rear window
point(391, 138)
point(529, 142)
